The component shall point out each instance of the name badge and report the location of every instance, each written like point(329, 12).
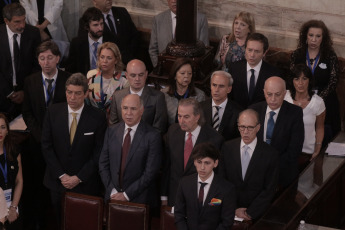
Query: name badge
point(8, 197)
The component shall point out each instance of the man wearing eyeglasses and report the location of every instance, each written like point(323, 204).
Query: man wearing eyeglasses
point(252, 166)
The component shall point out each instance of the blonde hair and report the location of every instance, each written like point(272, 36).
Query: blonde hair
point(247, 18)
point(119, 66)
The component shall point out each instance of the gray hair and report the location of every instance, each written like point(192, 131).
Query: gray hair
point(13, 9)
point(196, 108)
point(224, 74)
point(141, 102)
point(77, 79)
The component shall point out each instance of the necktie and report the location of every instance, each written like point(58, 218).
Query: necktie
point(94, 56)
point(174, 34)
point(245, 160)
point(111, 25)
point(215, 120)
point(201, 193)
point(50, 91)
point(251, 85)
point(73, 127)
point(188, 147)
point(270, 127)
point(16, 52)
point(125, 149)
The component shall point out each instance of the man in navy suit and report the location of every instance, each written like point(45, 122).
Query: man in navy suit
point(251, 165)
point(282, 127)
point(131, 156)
point(18, 42)
point(250, 74)
point(72, 140)
point(204, 200)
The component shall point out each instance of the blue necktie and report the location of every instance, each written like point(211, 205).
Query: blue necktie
point(251, 85)
point(94, 56)
point(270, 127)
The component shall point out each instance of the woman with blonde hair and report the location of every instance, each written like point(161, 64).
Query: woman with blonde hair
point(231, 47)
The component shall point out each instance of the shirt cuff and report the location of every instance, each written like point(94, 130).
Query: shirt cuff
point(124, 193)
point(164, 198)
point(113, 191)
point(62, 175)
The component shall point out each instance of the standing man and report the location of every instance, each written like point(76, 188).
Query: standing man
point(72, 139)
point(252, 166)
point(204, 200)
point(283, 128)
point(220, 112)
point(131, 156)
point(118, 22)
point(180, 141)
point(163, 30)
point(17, 57)
point(155, 111)
point(250, 74)
point(41, 90)
point(83, 49)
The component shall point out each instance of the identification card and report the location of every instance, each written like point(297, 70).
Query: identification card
point(8, 197)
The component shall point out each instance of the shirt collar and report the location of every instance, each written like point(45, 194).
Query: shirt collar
point(221, 105)
point(139, 93)
point(251, 145)
point(208, 181)
point(133, 128)
point(195, 131)
point(100, 40)
point(268, 110)
point(109, 12)
point(70, 110)
point(256, 68)
point(10, 33)
point(54, 77)
point(172, 15)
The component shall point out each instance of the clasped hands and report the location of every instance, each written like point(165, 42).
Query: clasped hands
point(69, 182)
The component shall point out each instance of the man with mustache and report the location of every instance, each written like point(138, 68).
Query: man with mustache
point(83, 49)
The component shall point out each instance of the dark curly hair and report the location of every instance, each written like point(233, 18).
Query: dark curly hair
point(296, 72)
point(172, 81)
point(326, 44)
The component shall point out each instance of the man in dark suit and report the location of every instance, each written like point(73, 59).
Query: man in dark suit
point(282, 128)
point(17, 57)
point(250, 74)
point(41, 89)
point(155, 109)
point(72, 140)
point(131, 156)
point(83, 50)
point(204, 200)
point(220, 112)
point(180, 140)
point(252, 166)
point(118, 22)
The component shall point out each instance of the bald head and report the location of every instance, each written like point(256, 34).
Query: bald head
point(248, 125)
point(275, 90)
point(132, 109)
point(136, 74)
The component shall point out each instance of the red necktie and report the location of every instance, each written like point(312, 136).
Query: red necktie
point(125, 149)
point(188, 147)
point(201, 193)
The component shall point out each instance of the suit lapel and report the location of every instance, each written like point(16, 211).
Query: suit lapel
point(212, 192)
point(279, 121)
point(65, 126)
point(60, 85)
point(226, 116)
point(119, 133)
point(201, 138)
point(82, 123)
point(138, 136)
point(180, 141)
point(6, 49)
point(255, 157)
point(208, 111)
point(145, 95)
point(237, 158)
point(40, 90)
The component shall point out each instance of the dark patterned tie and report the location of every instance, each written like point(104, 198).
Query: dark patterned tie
point(251, 85)
point(215, 120)
point(201, 193)
point(50, 91)
point(270, 128)
point(111, 25)
point(16, 53)
point(125, 149)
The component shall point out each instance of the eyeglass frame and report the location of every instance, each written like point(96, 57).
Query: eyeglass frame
point(249, 128)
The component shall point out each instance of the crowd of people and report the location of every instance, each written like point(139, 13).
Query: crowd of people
point(97, 128)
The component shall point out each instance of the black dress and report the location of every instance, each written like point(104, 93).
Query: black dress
point(326, 77)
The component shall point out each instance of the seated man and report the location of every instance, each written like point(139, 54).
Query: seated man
point(252, 166)
point(282, 128)
point(163, 30)
point(205, 200)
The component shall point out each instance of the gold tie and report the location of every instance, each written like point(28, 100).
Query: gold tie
point(73, 126)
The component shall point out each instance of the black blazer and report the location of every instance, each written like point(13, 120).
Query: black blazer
point(287, 138)
point(34, 106)
point(257, 189)
point(81, 158)
point(142, 164)
point(79, 54)
point(174, 161)
point(28, 64)
point(188, 214)
point(228, 125)
point(239, 93)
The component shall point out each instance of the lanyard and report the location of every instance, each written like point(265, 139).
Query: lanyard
point(315, 61)
point(7, 2)
point(4, 170)
point(48, 94)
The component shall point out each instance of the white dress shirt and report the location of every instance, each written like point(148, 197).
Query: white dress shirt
point(206, 187)
point(138, 93)
point(267, 116)
point(256, 73)
point(70, 117)
point(251, 147)
point(195, 134)
point(173, 25)
point(220, 111)
point(46, 84)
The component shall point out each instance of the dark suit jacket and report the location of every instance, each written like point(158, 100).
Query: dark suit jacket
point(228, 125)
point(188, 214)
point(239, 93)
point(81, 158)
point(287, 138)
point(30, 39)
point(173, 169)
point(155, 109)
point(257, 189)
point(34, 105)
point(79, 53)
point(142, 164)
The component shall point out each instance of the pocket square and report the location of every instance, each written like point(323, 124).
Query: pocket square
point(86, 134)
point(215, 202)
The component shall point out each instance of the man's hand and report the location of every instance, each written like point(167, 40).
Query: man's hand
point(164, 202)
point(69, 182)
point(241, 213)
point(17, 97)
point(119, 196)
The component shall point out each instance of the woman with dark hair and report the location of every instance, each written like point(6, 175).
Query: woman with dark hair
point(231, 47)
point(181, 85)
point(11, 178)
point(302, 95)
point(315, 50)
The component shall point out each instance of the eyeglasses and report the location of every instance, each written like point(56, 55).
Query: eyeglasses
point(249, 128)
